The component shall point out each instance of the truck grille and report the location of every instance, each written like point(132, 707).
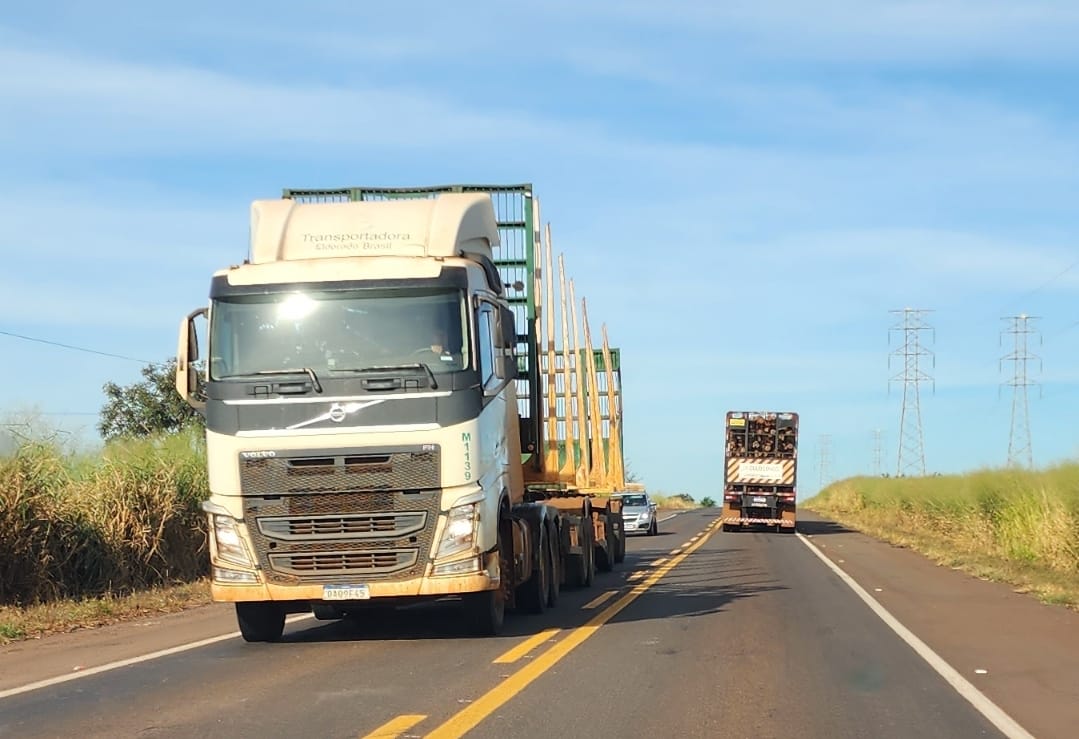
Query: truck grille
point(365, 564)
point(339, 471)
point(361, 526)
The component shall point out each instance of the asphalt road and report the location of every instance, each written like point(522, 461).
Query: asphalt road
point(701, 634)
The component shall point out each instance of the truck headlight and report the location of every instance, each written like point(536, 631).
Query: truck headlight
point(459, 535)
point(230, 547)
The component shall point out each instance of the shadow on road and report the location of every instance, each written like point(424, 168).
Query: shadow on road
point(704, 583)
point(821, 527)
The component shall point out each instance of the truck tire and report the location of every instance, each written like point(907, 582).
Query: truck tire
point(485, 612)
point(554, 580)
point(581, 567)
point(605, 555)
point(590, 555)
point(533, 593)
point(620, 546)
point(260, 621)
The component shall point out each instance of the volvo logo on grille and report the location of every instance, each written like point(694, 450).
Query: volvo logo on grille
point(338, 412)
point(258, 455)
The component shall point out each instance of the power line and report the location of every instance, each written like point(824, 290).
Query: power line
point(1020, 451)
point(76, 348)
point(911, 458)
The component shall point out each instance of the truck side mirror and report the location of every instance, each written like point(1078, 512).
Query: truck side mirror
point(187, 353)
point(507, 338)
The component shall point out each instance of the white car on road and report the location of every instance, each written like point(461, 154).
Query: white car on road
point(639, 514)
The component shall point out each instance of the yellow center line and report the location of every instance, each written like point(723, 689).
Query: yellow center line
point(599, 601)
point(677, 551)
point(395, 727)
point(658, 562)
point(525, 647)
point(635, 576)
point(468, 718)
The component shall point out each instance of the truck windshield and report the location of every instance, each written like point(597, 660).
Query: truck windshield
point(337, 332)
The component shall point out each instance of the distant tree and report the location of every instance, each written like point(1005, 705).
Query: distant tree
point(146, 407)
point(707, 502)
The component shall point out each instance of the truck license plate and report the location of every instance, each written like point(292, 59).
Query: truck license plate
point(346, 592)
point(759, 499)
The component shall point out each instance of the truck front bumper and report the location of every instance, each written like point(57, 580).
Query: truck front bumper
point(427, 586)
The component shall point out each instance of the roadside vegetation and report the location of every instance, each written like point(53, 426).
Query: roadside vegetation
point(1014, 526)
point(674, 502)
point(92, 537)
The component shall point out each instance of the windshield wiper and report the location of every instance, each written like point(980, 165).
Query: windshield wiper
point(387, 368)
point(297, 371)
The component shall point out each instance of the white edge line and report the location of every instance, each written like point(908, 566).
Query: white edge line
point(48, 682)
point(994, 713)
point(668, 518)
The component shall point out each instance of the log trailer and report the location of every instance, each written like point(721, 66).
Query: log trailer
point(389, 416)
point(761, 462)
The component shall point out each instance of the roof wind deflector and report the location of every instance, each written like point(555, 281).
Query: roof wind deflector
point(494, 280)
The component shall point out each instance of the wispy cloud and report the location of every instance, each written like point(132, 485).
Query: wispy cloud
point(883, 31)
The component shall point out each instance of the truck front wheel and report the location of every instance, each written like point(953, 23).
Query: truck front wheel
point(485, 612)
point(260, 621)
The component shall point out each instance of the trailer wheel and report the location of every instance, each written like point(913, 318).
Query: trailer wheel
point(605, 555)
point(590, 556)
point(260, 621)
point(533, 593)
point(582, 567)
point(620, 545)
point(554, 579)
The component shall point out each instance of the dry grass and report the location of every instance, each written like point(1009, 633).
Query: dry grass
point(674, 502)
point(1011, 526)
point(34, 622)
point(78, 527)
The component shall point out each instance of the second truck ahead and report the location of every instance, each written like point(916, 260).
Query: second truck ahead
point(760, 470)
point(386, 419)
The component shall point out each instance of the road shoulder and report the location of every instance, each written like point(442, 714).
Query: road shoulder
point(1022, 654)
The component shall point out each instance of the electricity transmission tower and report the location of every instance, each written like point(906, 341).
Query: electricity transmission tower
point(825, 460)
point(911, 458)
point(1020, 452)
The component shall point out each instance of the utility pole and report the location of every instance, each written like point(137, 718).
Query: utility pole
point(876, 453)
point(1020, 452)
point(911, 458)
point(825, 459)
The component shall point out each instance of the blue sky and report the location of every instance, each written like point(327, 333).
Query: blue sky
point(743, 192)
